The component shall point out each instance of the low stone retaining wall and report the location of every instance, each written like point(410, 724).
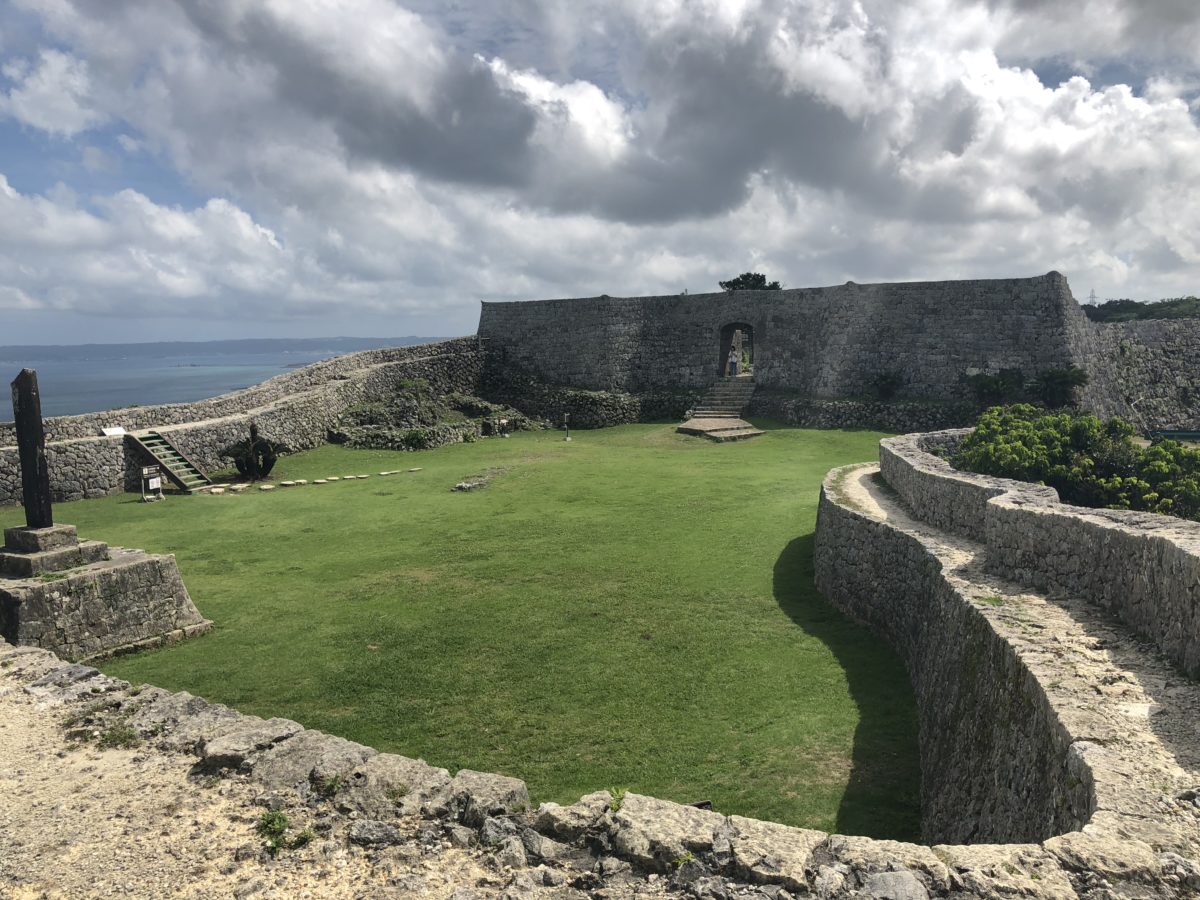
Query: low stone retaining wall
point(297, 409)
point(897, 415)
point(1143, 568)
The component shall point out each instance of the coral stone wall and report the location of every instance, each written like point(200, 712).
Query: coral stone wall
point(995, 763)
point(297, 408)
point(824, 342)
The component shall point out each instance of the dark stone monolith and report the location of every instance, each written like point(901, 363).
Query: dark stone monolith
point(31, 445)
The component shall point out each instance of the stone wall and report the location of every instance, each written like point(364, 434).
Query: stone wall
point(1141, 567)
point(297, 409)
point(995, 761)
point(823, 344)
point(897, 416)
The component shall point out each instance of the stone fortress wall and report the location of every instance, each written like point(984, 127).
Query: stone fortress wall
point(297, 408)
point(828, 344)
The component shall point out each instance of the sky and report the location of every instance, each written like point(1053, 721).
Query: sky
point(174, 169)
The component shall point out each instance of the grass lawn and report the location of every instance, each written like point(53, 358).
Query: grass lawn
point(632, 609)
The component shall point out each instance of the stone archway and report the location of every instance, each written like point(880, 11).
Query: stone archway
point(741, 336)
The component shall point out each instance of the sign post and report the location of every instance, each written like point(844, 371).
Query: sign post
point(151, 484)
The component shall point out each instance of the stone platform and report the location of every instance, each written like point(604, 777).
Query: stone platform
point(85, 600)
point(719, 428)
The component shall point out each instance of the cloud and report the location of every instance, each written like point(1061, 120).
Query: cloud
point(50, 94)
point(381, 156)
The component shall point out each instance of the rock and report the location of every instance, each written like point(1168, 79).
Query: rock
point(417, 469)
point(371, 833)
point(1120, 859)
point(230, 750)
point(710, 887)
point(477, 795)
point(460, 836)
point(287, 484)
point(266, 487)
point(511, 853)
point(332, 478)
point(770, 853)
point(901, 885)
point(654, 833)
point(866, 855)
point(540, 847)
point(310, 758)
point(1007, 870)
point(830, 880)
point(388, 784)
point(495, 831)
point(215, 491)
point(570, 822)
point(550, 877)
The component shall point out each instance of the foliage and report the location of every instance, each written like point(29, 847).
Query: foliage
point(484, 607)
point(1132, 310)
point(1007, 386)
point(1057, 387)
point(885, 385)
point(273, 827)
point(1089, 462)
point(749, 281)
point(256, 456)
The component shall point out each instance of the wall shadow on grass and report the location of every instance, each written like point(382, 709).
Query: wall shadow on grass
point(882, 798)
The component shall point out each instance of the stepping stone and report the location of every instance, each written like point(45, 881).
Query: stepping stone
point(386, 473)
point(349, 477)
point(287, 484)
point(216, 490)
point(238, 488)
point(362, 476)
point(266, 487)
point(417, 469)
point(332, 478)
point(301, 481)
point(319, 481)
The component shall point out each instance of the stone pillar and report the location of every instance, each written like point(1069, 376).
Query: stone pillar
point(31, 446)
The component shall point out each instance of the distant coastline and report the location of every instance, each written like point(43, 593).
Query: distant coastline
point(84, 378)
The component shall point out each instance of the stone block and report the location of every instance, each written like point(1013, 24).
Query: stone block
point(37, 540)
point(29, 565)
point(477, 795)
point(654, 833)
point(388, 784)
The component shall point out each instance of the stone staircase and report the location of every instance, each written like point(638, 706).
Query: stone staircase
point(718, 415)
point(178, 469)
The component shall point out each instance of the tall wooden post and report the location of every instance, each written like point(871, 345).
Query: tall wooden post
point(31, 446)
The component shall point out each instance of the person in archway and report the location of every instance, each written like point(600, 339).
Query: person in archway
point(734, 356)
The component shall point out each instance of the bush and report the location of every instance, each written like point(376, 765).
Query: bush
point(1132, 310)
point(255, 456)
point(1057, 387)
point(1008, 386)
point(1089, 462)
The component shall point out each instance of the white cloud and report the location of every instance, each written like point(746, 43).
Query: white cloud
point(51, 94)
point(368, 157)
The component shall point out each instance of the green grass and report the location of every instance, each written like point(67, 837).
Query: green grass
point(633, 608)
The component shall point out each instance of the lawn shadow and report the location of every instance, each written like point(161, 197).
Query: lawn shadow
point(882, 797)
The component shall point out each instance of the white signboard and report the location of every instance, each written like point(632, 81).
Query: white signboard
point(154, 484)
point(115, 431)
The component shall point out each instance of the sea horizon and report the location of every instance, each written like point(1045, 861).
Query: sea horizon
point(82, 378)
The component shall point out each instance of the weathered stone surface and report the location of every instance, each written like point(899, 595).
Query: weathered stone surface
point(769, 853)
point(230, 750)
point(654, 833)
point(309, 759)
point(132, 599)
point(1120, 860)
point(898, 885)
point(867, 855)
point(477, 795)
point(387, 784)
point(369, 833)
point(35, 540)
point(569, 822)
point(1006, 870)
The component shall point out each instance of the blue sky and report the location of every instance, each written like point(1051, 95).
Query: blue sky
point(178, 168)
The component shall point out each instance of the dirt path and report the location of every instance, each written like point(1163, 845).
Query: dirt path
point(84, 823)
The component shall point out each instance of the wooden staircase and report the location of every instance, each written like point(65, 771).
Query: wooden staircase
point(178, 469)
point(718, 415)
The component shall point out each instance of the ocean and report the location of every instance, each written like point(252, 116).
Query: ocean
point(94, 377)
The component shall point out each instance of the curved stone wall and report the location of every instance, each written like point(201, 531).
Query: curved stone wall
point(297, 408)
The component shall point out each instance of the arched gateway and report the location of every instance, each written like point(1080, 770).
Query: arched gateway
point(740, 336)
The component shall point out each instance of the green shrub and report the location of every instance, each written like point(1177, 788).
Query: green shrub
point(1132, 310)
point(1057, 387)
point(1089, 462)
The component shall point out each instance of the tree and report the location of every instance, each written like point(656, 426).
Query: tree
point(749, 281)
point(255, 457)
